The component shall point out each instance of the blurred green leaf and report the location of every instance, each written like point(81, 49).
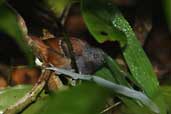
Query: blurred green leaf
point(133, 108)
point(98, 16)
point(166, 91)
point(167, 8)
point(12, 94)
point(9, 25)
point(84, 99)
point(1, 1)
point(57, 6)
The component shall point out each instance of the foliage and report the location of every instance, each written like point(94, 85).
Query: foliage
point(99, 18)
point(138, 63)
point(84, 99)
point(166, 91)
point(105, 22)
point(57, 7)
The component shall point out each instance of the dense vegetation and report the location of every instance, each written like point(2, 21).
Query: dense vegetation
point(85, 57)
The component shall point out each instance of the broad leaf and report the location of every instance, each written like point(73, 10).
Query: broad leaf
point(12, 94)
point(98, 16)
point(9, 25)
point(84, 99)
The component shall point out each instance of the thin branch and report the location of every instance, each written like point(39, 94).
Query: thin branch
point(71, 52)
point(31, 96)
point(110, 107)
point(65, 13)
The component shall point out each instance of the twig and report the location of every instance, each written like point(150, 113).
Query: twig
point(65, 14)
point(71, 52)
point(110, 107)
point(70, 48)
point(31, 96)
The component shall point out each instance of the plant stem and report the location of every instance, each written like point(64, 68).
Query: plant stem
point(31, 96)
point(71, 52)
point(110, 107)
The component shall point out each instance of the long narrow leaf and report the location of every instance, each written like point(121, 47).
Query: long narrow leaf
point(116, 71)
point(130, 106)
point(138, 63)
point(119, 89)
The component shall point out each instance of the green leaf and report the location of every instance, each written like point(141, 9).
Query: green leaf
point(105, 74)
point(130, 106)
point(84, 99)
point(167, 9)
point(1, 1)
point(57, 6)
point(166, 91)
point(115, 88)
point(12, 94)
point(98, 16)
point(138, 63)
point(9, 25)
point(116, 71)
point(133, 108)
point(136, 59)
